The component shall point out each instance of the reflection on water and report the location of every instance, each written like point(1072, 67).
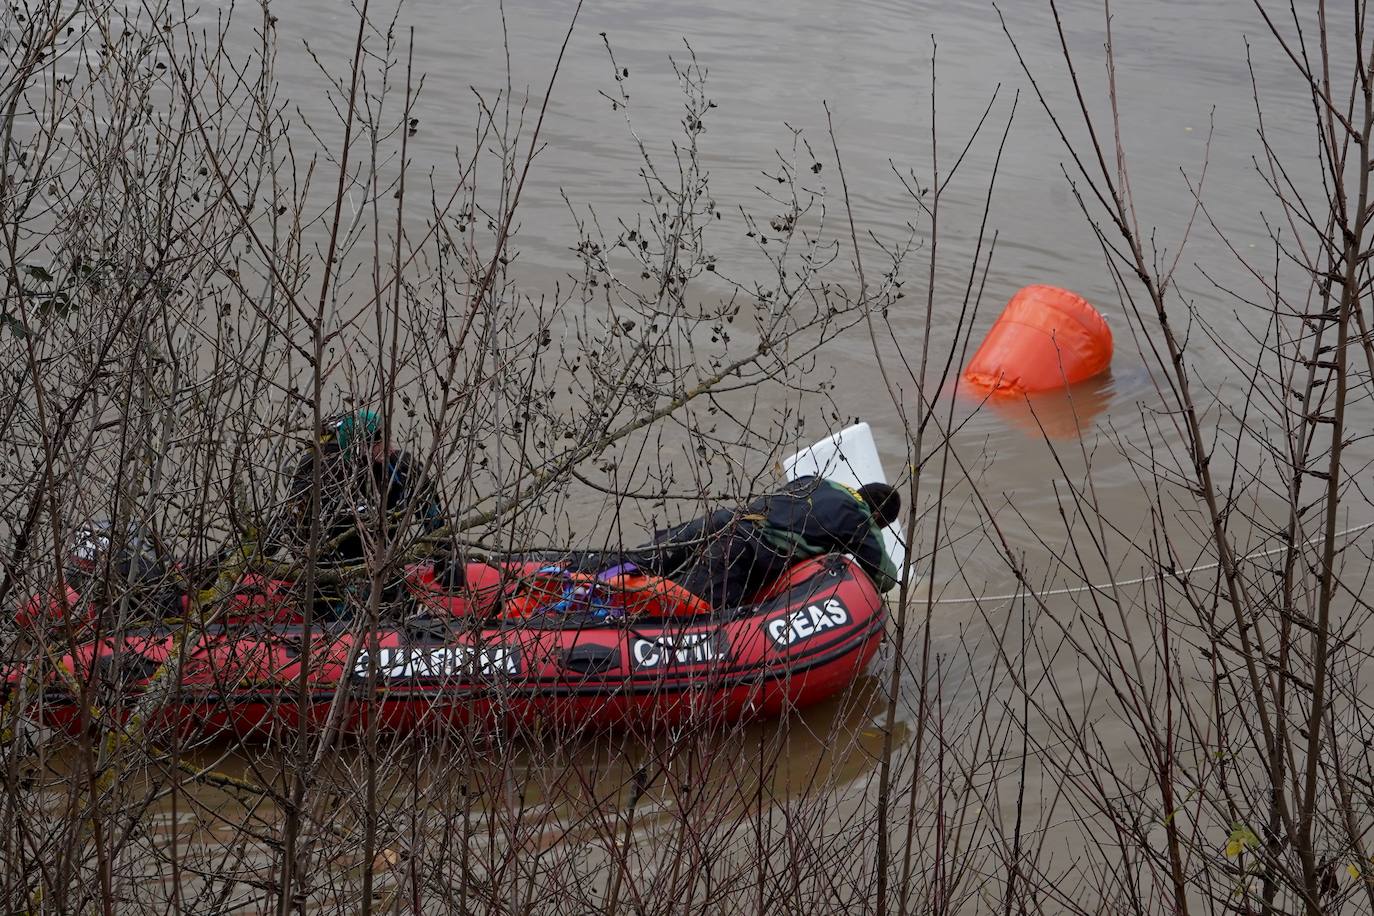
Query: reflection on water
point(471, 801)
point(827, 747)
point(1057, 415)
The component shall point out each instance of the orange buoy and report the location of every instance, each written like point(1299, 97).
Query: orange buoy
point(1045, 338)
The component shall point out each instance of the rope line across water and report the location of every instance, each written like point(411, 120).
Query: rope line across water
point(1113, 586)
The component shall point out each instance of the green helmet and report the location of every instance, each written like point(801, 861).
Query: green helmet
point(358, 426)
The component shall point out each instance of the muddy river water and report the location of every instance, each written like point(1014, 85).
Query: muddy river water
point(1186, 100)
point(1186, 87)
point(1185, 79)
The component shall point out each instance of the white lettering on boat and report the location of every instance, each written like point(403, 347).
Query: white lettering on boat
point(680, 649)
point(803, 623)
point(441, 662)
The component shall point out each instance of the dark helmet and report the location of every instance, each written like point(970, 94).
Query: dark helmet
point(883, 501)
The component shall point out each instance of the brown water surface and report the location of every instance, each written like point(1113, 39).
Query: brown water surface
point(1185, 94)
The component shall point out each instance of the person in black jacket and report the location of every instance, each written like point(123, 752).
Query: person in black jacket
point(728, 555)
point(360, 475)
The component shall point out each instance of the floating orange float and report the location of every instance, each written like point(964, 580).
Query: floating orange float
point(1046, 338)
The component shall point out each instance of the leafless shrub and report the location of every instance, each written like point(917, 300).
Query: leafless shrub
point(196, 278)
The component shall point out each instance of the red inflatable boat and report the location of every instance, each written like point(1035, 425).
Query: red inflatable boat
point(637, 651)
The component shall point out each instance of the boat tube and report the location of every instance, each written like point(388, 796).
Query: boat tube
point(806, 638)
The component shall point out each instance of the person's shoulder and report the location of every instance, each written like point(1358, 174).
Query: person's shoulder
point(811, 484)
point(401, 458)
point(333, 460)
point(406, 465)
point(327, 449)
point(834, 486)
